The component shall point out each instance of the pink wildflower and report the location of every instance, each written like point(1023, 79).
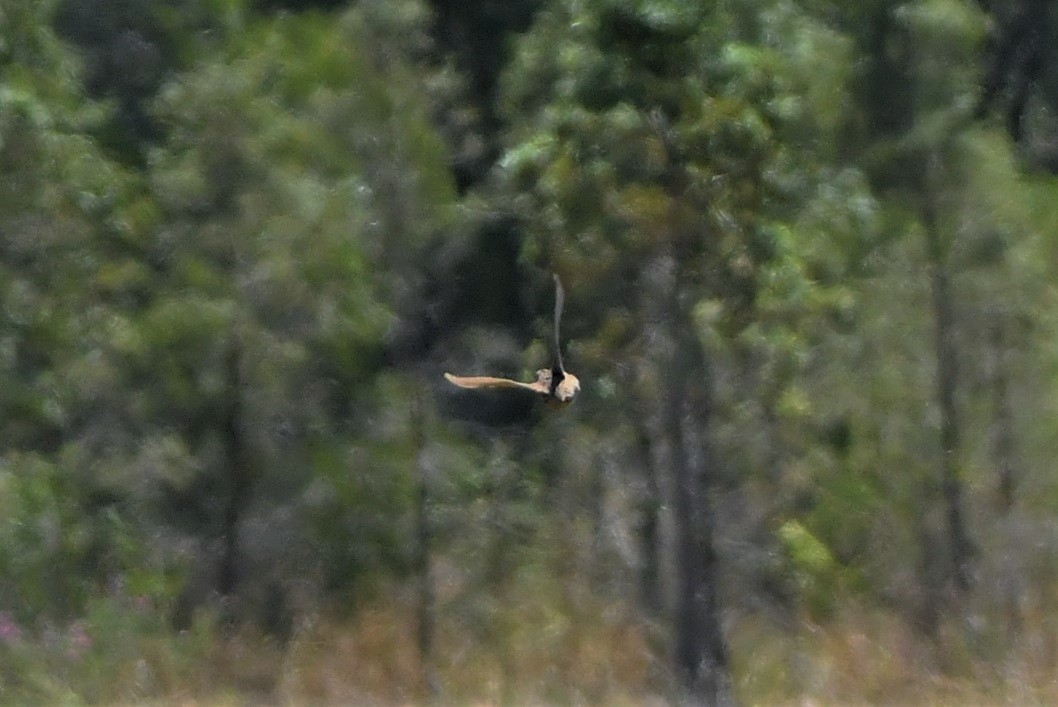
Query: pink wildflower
point(80, 641)
point(10, 631)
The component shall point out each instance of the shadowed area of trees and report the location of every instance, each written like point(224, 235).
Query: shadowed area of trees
point(809, 261)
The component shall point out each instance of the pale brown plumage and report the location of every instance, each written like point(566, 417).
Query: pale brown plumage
point(472, 382)
point(553, 384)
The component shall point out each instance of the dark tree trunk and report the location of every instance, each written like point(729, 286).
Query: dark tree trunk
point(237, 470)
point(931, 575)
point(700, 650)
point(701, 654)
point(648, 526)
point(886, 74)
point(1003, 440)
point(1020, 58)
point(477, 34)
point(947, 384)
point(499, 563)
point(427, 611)
point(599, 567)
point(1003, 455)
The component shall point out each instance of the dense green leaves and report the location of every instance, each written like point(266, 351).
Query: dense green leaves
point(809, 296)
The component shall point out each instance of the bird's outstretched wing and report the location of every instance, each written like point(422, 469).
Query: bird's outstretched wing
point(560, 300)
point(490, 382)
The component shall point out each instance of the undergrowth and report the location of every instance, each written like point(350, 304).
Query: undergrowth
point(524, 648)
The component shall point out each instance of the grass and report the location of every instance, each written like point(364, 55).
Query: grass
point(871, 656)
point(520, 647)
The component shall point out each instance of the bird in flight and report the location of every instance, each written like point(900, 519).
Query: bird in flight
point(555, 384)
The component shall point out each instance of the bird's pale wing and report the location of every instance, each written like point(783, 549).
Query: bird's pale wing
point(560, 300)
point(490, 382)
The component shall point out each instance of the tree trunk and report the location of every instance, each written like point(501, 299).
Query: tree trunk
point(1003, 456)
point(648, 526)
point(947, 384)
point(237, 470)
point(427, 611)
point(599, 565)
point(499, 565)
point(1020, 59)
point(930, 572)
point(700, 651)
point(1003, 440)
point(701, 655)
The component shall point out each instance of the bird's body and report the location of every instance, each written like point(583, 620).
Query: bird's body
point(566, 389)
point(554, 384)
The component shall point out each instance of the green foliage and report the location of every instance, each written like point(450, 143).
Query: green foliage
point(117, 650)
point(815, 572)
point(264, 226)
point(240, 241)
point(721, 164)
point(45, 532)
point(282, 228)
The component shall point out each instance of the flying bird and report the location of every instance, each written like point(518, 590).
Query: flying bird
point(555, 384)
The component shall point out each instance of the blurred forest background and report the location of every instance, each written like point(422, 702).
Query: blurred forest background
point(810, 251)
